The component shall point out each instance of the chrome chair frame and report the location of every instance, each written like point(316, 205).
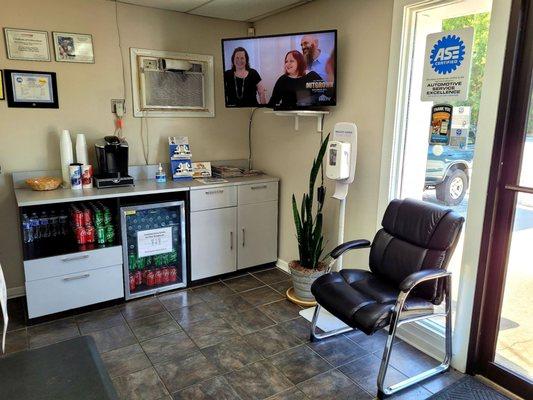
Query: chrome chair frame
point(395, 322)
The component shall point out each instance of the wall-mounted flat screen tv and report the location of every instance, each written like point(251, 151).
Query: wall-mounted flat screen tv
point(285, 72)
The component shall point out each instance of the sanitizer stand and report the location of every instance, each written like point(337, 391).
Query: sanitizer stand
point(343, 132)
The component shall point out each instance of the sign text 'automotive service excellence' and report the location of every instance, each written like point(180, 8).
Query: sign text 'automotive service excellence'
point(447, 65)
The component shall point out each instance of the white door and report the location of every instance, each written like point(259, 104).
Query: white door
point(213, 242)
point(258, 233)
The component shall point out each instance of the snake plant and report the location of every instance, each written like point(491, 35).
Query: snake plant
point(309, 227)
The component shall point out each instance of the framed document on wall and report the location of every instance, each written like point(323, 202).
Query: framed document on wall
point(31, 89)
point(73, 47)
point(23, 44)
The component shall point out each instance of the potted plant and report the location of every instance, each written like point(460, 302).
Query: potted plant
point(309, 235)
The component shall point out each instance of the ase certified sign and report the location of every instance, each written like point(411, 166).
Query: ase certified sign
point(447, 65)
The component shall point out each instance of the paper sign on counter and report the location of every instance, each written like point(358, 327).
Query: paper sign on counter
point(154, 241)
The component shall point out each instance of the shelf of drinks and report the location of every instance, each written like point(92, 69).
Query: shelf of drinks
point(146, 281)
point(61, 246)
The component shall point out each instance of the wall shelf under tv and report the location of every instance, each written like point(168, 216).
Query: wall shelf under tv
point(319, 115)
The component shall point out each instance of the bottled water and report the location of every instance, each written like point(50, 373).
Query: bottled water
point(35, 228)
point(44, 226)
point(27, 229)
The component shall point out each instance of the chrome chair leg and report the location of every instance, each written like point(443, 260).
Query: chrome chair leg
point(395, 322)
point(315, 336)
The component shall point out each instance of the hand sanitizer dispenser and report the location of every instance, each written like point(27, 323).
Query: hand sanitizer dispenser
point(338, 157)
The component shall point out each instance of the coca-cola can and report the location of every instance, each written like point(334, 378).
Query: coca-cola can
point(77, 218)
point(150, 278)
point(158, 277)
point(87, 217)
point(166, 274)
point(138, 277)
point(172, 274)
point(132, 283)
point(90, 233)
point(81, 235)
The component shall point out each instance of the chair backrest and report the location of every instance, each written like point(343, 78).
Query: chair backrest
point(416, 235)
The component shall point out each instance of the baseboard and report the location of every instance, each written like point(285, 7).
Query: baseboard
point(284, 265)
point(17, 291)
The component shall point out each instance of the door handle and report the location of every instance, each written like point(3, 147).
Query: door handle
point(243, 242)
point(231, 240)
point(68, 259)
point(73, 278)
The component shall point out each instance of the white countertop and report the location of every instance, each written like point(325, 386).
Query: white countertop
point(28, 197)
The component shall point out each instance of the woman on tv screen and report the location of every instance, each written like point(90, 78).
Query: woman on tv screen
point(243, 85)
point(295, 86)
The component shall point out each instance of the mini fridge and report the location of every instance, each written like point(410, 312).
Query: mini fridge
point(154, 247)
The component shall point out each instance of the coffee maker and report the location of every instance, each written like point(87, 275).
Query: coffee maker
point(112, 159)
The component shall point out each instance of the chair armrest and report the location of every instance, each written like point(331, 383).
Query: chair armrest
point(421, 276)
point(351, 245)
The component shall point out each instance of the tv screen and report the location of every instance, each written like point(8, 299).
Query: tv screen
point(287, 72)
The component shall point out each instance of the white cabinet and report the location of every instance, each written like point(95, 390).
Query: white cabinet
point(258, 233)
point(233, 227)
point(213, 242)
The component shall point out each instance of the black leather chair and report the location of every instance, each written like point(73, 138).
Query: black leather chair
point(407, 278)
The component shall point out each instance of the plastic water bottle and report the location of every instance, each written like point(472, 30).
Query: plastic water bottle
point(27, 229)
point(43, 224)
point(35, 228)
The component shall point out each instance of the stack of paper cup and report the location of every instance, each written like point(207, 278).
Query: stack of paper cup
point(65, 149)
point(81, 149)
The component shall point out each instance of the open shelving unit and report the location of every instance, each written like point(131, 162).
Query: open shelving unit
point(319, 115)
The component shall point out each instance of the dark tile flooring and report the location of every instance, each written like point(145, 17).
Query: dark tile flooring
point(238, 338)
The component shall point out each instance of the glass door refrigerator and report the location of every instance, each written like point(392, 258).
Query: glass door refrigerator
point(154, 246)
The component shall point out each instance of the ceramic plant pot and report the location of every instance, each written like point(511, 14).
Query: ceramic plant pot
point(303, 278)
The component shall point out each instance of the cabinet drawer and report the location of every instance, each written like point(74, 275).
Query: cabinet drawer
point(258, 192)
point(49, 267)
point(207, 199)
point(60, 293)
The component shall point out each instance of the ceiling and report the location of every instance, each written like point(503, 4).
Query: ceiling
point(237, 10)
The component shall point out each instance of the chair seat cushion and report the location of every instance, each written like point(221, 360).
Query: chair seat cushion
point(363, 300)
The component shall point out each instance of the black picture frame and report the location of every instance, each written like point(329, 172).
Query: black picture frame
point(10, 93)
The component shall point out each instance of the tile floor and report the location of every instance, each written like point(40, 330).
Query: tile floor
point(237, 338)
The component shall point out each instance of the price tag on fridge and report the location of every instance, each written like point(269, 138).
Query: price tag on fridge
point(154, 241)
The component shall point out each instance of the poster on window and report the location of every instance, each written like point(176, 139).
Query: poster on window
point(447, 63)
point(441, 120)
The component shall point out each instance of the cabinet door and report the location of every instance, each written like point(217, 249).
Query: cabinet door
point(258, 234)
point(213, 242)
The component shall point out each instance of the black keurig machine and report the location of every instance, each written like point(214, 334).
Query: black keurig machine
point(112, 159)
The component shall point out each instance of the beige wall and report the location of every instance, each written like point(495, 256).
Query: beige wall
point(28, 138)
point(364, 29)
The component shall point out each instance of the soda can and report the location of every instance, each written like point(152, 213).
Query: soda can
point(100, 234)
point(107, 216)
point(166, 274)
point(138, 277)
point(87, 176)
point(98, 217)
point(150, 278)
point(133, 283)
point(158, 277)
point(109, 233)
point(81, 235)
point(132, 261)
point(77, 218)
point(75, 176)
point(87, 216)
point(90, 234)
point(172, 274)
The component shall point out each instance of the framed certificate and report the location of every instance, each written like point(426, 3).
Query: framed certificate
point(27, 45)
point(73, 47)
point(1, 86)
point(31, 89)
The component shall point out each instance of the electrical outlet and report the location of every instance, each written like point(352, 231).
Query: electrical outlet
point(118, 105)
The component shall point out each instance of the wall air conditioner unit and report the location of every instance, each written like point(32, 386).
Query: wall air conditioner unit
point(168, 84)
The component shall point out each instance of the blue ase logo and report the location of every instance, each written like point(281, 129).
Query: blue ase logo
point(447, 54)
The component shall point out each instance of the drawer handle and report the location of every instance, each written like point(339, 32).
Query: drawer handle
point(214, 191)
point(73, 278)
point(259, 187)
point(68, 259)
